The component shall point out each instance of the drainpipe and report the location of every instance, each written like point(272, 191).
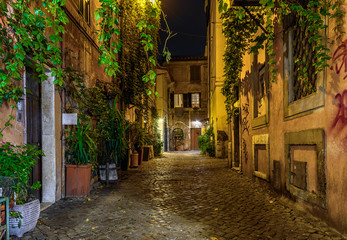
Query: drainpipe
point(63, 100)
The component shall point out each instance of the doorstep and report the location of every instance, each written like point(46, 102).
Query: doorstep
point(44, 206)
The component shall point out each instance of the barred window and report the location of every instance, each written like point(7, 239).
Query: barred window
point(302, 75)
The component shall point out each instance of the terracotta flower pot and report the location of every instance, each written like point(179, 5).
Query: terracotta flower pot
point(78, 180)
point(180, 148)
point(134, 160)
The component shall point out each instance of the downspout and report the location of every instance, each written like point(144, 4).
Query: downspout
point(63, 100)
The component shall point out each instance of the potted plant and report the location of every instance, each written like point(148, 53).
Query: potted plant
point(134, 159)
point(112, 126)
point(79, 154)
point(138, 140)
point(180, 146)
point(16, 163)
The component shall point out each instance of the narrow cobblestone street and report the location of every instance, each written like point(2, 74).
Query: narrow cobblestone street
point(179, 196)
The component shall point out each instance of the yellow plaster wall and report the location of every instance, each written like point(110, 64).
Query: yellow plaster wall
point(333, 110)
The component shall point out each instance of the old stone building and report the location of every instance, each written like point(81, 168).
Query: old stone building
point(39, 115)
point(188, 99)
point(283, 135)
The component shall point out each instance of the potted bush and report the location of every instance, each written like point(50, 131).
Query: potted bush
point(139, 140)
point(16, 163)
point(112, 126)
point(79, 154)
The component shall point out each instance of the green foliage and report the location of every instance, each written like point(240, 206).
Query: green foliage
point(206, 142)
point(240, 28)
point(107, 16)
point(81, 149)
point(157, 142)
point(16, 163)
point(112, 126)
point(30, 36)
point(100, 104)
point(137, 136)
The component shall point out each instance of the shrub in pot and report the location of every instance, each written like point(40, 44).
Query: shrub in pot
point(79, 154)
point(138, 140)
point(16, 163)
point(112, 126)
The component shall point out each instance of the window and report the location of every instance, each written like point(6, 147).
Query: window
point(84, 9)
point(261, 156)
point(302, 69)
point(195, 100)
point(186, 100)
point(305, 165)
point(260, 84)
point(303, 87)
point(178, 100)
point(195, 74)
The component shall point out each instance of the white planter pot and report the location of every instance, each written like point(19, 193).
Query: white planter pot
point(30, 213)
point(112, 174)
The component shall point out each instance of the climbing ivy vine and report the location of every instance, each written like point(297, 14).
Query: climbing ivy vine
point(30, 34)
point(241, 26)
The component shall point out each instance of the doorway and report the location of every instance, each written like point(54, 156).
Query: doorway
point(194, 135)
point(236, 140)
point(34, 124)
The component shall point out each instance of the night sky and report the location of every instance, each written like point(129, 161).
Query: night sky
point(187, 18)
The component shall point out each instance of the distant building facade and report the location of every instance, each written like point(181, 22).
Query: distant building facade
point(188, 101)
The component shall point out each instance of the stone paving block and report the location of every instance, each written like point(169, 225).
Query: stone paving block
point(179, 196)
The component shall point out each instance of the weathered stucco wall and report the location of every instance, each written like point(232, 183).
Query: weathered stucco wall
point(326, 172)
point(187, 117)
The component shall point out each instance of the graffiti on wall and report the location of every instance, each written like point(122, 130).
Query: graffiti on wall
point(244, 149)
point(244, 121)
point(341, 115)
point(340, 59)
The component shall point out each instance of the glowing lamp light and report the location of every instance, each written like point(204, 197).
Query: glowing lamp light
point(197, 123)
point(160, 120)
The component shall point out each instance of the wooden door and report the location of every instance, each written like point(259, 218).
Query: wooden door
point(34, 124)
point(194, 135)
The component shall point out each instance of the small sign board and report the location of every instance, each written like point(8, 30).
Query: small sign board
point(69, 118)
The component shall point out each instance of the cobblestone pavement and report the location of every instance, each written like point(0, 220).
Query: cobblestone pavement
point(180, 196)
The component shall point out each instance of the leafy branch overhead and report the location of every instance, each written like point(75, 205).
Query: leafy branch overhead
point(30, 36)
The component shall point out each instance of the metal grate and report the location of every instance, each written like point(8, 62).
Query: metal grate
point(304, 75)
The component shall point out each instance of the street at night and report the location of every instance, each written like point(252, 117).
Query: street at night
point(180, 196)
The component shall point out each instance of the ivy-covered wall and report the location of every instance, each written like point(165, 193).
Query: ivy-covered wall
point(302, 86)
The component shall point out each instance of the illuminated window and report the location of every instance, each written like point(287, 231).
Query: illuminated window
point(178, 100)
point(195, 100)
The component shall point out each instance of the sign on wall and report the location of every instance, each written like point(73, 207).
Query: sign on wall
point(69, 118)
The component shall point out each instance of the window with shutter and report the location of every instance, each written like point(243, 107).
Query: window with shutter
point(195, 100)
point(178, 100)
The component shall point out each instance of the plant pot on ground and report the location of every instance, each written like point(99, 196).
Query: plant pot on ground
point(134, 159)
point(16, 164)
point(79, 155)
point(137, 139)
point(112, 127)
